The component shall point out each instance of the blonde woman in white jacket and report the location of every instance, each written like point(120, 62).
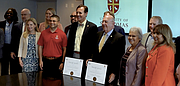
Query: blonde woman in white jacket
point(28, 48)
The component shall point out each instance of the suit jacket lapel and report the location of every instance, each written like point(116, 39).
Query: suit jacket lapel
point(100, 36)
point(110, 38)
point(152, 53)
point(21, 27)
point(134, 51)
point(86, 28)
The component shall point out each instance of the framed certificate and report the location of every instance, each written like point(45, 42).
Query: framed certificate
point(96, 72)
point(73, 67)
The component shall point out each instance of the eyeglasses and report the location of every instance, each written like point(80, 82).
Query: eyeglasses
point(72, 15)
point(53, 21)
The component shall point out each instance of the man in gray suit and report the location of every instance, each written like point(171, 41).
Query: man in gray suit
point(147, 39)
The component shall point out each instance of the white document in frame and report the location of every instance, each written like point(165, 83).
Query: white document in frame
point(96, 72)
point(73, 67)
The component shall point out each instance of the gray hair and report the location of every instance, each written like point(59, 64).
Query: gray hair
point(160, 21)
point(138, 30)
point(27, 10)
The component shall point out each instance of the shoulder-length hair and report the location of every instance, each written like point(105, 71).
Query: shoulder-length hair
point(165, 30)
point(25, 34)
point(15, 17)
point(52, 10)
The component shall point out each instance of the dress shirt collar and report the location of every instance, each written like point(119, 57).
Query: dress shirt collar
point(83, 23)
point(7, 24)
point(109, 33)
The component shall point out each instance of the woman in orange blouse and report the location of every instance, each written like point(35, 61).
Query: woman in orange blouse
point(48, 14)
point(160, 61)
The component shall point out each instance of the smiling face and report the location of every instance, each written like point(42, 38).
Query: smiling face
point(53, 23)
point(73, 17)
point(152, 23)
point(31, 26)
point(9, 15)
point(133, 38)
point(81, 15)
point(108, 23)
point(158, 37)
point(48, 14)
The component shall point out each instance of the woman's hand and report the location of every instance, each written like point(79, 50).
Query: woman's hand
point(20, 62)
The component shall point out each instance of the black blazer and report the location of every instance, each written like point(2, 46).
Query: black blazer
point(3, 25)
point(88, 41)
point(111, 52)
point(16, 35)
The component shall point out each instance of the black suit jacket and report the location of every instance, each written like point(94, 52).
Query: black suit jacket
point(88, 41)
point(111, 52)
point(16, 35)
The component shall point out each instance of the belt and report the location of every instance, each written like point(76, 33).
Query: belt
point(76, 52)
point(50, 58)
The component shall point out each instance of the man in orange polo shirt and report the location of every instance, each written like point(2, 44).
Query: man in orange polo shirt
point(52, 47)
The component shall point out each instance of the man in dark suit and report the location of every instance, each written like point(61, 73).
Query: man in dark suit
point(7, 26)
point(73, 19)
point(17, 30)
point(81, 40)
point(110, 48)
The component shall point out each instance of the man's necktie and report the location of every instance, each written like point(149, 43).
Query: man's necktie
point(102, 42)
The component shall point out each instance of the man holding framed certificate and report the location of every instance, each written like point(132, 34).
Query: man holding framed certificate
point(110, 48)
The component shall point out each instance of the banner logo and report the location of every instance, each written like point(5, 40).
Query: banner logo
point(113, 5)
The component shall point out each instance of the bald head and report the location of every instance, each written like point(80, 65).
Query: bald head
point(25, 14)
point(73, 17)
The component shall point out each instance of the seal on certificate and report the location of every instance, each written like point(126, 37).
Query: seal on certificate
point(94, 78)
point(71, 73)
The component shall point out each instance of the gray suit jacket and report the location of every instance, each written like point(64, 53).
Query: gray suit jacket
point(135, 66)
point(145, 37)
point(145, 40)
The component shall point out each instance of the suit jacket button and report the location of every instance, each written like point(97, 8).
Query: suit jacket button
point(146, 75)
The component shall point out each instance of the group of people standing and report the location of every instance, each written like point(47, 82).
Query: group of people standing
point(148, 61)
